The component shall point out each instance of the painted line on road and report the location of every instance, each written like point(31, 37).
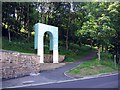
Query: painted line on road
point(84, 78)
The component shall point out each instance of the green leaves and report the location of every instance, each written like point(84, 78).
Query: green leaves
point(98, 24)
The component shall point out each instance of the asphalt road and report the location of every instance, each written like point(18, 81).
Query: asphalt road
point(100, 82)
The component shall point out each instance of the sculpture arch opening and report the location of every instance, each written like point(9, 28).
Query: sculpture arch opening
point(48, 47)
point(40, 29)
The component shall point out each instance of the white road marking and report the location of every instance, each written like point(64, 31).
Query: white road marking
point(28, 82)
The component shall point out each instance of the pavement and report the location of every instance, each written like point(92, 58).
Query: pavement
point(44, 77)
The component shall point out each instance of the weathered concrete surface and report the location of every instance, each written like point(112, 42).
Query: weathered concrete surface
point(50, 66)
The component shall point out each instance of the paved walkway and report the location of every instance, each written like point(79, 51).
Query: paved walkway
point(47, 76)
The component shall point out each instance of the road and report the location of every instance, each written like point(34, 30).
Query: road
point(100, 82)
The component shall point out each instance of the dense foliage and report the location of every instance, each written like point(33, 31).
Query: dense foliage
point(92, 23)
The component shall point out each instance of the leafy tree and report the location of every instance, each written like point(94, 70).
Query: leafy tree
point(114, 14)
point(19, 18)
point(97, 27)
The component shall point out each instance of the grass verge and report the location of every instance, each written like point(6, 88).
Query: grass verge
point(93, 67)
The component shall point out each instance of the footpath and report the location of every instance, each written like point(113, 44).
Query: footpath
point(50, 76)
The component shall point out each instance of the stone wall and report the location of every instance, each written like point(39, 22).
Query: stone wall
point(15, 64)
point(49, 58)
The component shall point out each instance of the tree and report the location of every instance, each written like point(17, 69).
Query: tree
point(114, 14)
point(97, 27)
point(8, 17)
point(19, 18)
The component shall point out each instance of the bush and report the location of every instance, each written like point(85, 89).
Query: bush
point(106, 55)
point(106, 59)
point(69, 59)
point(74, 46)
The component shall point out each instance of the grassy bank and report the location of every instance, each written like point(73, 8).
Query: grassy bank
point(93, 67)
point(21, 45)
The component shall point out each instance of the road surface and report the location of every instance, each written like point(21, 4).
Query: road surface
point(100, 82)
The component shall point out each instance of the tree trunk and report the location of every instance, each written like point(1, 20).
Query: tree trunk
point(67, 33)
point(99, 53)
point(102, 48)
point(67, 39)
point(91, 44)
point(119, 60)
point(46, 18)
point(9, 35)
point(28, 22)
point(43, 19)
point(106, 49)
point(28, 33)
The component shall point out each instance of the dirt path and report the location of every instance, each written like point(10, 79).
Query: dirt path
point(88, 57)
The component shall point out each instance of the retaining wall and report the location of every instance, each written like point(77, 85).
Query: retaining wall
point(16, 64)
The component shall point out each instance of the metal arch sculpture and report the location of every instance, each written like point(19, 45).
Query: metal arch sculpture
point(40, 29)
